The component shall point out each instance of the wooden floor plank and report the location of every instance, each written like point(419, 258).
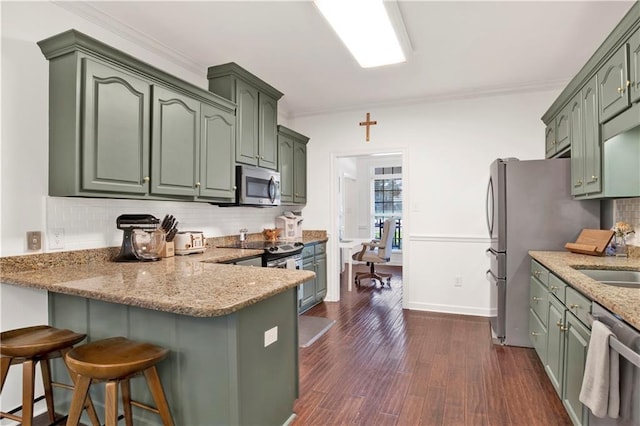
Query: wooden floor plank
point(380, 364)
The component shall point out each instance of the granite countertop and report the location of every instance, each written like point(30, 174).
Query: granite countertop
point(191, 285)
point(620, 300)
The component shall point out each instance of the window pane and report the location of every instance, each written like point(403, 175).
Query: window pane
point(379, 196)
point(388, 196)
point(379, 207)
point(397, 184)
point(377, 184)
point(388, 184)
point(397, 170)
point(397, 207)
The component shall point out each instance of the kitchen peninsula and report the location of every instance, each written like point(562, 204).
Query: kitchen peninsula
point(232, 330)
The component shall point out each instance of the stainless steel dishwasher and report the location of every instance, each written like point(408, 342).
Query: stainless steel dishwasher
point(627, 344)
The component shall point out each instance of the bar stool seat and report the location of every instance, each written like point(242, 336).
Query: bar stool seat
point(115, 360)
point(28, 346)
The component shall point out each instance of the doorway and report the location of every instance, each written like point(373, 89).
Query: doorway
point(360, 205)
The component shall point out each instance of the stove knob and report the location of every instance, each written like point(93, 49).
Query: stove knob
point(272, 249)
point(298, 244)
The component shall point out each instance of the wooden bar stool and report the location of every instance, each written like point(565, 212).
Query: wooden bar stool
point(28, 346)
point(116, 360)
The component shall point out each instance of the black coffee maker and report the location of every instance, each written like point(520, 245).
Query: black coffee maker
point(142, 240)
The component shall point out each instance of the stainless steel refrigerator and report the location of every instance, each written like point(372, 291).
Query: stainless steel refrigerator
point(529, 207)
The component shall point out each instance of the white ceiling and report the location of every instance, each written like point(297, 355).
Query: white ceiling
point(459, 48)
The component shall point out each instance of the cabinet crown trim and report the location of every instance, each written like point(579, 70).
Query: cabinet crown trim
point(235, 70)
point(292, 133)
point(72, 40)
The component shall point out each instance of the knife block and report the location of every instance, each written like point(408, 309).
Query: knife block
point(168, 250)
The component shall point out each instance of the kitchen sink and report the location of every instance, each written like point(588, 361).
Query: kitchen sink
point(618, 278)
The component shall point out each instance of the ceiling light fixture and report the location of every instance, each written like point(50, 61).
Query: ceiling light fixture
point(365, 27)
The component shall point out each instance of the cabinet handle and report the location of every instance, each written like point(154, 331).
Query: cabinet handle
point(554, 288)
point(536, 299)
point(146, 179)
point(594, 179)
point(561, 326)
point(579, 183)
point(537, 274)
point(258, 157)
point(197, 184)
point(533, 333)
point(574, 306)
point(262, 157)
point(553, 143)
point(234, 188)
point(628, 83)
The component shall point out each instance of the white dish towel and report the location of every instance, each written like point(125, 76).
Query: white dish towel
point(600, 390)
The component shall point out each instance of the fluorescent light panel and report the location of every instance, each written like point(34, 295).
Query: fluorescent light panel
point(365, 28)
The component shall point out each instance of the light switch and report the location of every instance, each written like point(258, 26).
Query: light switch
point(270, 336)
point(34, 240)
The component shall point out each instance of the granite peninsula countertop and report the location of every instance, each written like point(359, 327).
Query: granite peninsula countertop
point(620, 300)
point(194, 285)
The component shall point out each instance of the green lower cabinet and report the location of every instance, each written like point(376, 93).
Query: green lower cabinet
point(562, 344)
point(313, 291)
point(576, 344)
point(555, 344)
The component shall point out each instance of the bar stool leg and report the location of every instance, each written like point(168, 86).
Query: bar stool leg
point(28, 376)
point(155, 386)
point(5, 363)
point(79, 397)
point(88, 404)
point(111, 403)
point(125, 387)
point(48, 393)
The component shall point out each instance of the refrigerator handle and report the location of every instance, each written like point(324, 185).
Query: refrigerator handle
point(491, 277)
point(489, 207)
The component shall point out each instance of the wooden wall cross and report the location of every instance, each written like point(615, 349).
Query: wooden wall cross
point(368, 123)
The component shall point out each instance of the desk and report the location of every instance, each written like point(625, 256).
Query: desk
point(349, 245)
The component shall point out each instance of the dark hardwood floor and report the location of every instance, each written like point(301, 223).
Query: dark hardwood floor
point(380, 364)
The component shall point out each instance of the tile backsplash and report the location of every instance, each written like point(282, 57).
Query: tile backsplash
point(83, 223)
point(628, 210)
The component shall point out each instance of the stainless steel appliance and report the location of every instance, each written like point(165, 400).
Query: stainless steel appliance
point(529, 207)
point(627, 344)
point(277, 254)
point(257, 186)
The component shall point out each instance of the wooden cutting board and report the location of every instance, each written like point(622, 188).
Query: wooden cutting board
point(591, 241)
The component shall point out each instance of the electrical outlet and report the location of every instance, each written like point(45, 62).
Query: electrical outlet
point(270, 336)
point(457, 282)
point(56, 238)
point(34, 240)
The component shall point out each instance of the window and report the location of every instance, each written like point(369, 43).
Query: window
point(387, 201)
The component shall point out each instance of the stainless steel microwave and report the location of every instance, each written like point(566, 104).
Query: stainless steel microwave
point(257, 186)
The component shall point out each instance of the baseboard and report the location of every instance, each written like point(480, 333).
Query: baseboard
point(450, 309)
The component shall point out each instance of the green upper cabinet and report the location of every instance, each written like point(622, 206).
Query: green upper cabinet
point(613, 85)
point(175, 148)
point(634, 66)
point(586, 150)
point(119, 127)
point(557, 139)
point(292, 165)
point(115, 130)
point(217, 147)
point(257, 115)
point(268, 137)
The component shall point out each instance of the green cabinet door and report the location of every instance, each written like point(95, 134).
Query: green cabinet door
point(247, 124)
point(591, 138)
point(576, 135)
point(634, 66)
point(175, 149)
point(550, 140)
point(115, 132)
point(300, 173)
point(308, 297)
point(217, 153)
point(285, 167)
point(321, 277)
point(562, 130)
point(268, 136)
point(555, 343)
point(612, 85)
point(576, 345)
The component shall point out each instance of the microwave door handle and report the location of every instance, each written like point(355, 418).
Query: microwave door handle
point(272, 190)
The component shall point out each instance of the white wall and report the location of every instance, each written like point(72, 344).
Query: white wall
point(448, 147)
